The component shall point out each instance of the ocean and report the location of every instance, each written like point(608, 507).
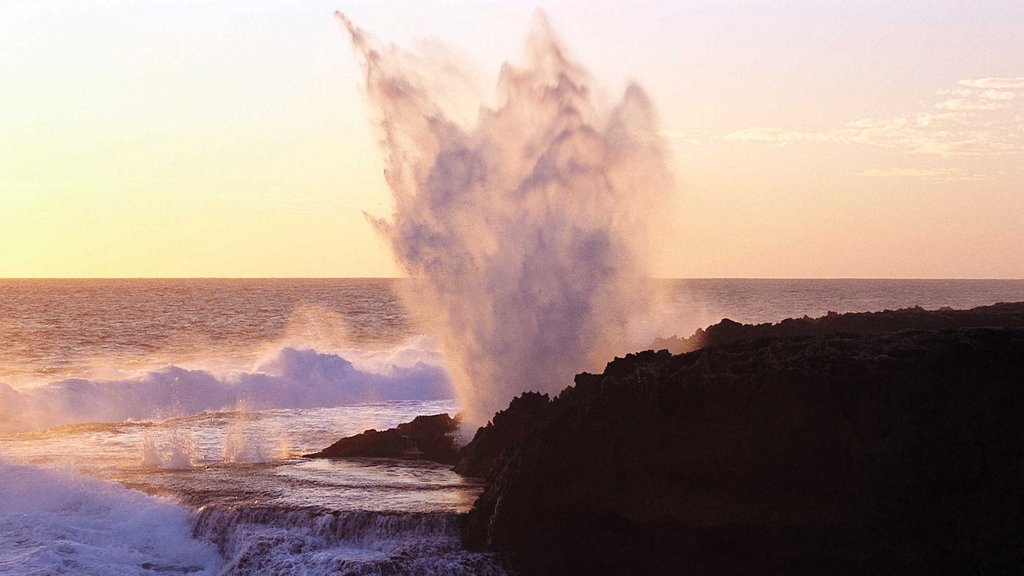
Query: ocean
point(157, 426)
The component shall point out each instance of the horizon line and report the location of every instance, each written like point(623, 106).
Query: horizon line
point(3, 278)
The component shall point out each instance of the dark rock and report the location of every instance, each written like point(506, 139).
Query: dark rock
point(425, 438)
point(495, 443)
point(826, 454)
point(726, 331)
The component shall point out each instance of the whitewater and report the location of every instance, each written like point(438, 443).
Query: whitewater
point(157, 427)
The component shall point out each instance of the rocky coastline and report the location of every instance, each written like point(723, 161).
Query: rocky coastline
point(885, 442)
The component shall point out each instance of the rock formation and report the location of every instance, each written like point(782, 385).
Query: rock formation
point(894, 453)
point(426, 437)
point(886, 442)
point(496, 442)
point(726, 331)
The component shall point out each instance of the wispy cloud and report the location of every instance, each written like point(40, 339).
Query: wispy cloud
point(982, 116)
point(925, 173)
point(1017, 82)
point(779, 135)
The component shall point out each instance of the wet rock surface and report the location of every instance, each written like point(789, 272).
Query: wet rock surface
point(425, 437)
point(842, 454)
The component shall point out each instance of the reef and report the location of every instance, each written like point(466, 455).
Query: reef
point(424, 438)
point(778, 453)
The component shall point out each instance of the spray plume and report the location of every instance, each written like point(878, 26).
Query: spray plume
point(525, 230)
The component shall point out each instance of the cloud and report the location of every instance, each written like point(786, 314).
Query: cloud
point(997, 95)
point(982, 119)
point(970, 104)
point(1017, 82)
point(778, 135)
point(944, 174)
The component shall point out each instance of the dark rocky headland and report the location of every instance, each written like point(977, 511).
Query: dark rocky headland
point(881, 443)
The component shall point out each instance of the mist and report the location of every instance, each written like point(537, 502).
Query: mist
point(525, 224)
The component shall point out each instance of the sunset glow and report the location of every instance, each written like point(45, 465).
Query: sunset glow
point(215, 139)
point(481, 288)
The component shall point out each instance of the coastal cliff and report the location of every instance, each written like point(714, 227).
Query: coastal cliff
point(864, 443)
point(864, 323)
point(827, 454)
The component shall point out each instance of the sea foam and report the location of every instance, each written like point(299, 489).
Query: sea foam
point(267, 540)
point(59, 522)
point(289, 378)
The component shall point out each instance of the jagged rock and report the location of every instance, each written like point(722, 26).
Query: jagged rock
point(726, 331)
point(496, 442)
point(837, 454)
point(425, 437)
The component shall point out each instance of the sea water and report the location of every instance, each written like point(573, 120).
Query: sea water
point(157, 426)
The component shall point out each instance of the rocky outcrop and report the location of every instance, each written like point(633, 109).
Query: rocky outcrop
point(426, 438)
point(845, 444)
point(496, 442)
point(823, 454)
point(726, 331)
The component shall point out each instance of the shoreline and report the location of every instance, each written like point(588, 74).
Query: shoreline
point(812, 443)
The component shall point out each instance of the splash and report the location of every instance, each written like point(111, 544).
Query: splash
point(526, 230)
point(243, 441)
point(288, 378)
point(177, 452)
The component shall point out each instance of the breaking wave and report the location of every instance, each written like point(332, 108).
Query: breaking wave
point(60, 522)
point(291, 378)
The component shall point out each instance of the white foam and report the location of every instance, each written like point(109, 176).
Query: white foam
point(59, 522)
point(258, 541)
point(243, 444)
point(291, 378)
point(178, 452)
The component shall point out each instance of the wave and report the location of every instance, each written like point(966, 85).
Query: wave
point(269, 540)
point(290, 378)
point(59, 522)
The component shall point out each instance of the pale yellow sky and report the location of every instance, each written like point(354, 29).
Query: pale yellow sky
point(214, 138)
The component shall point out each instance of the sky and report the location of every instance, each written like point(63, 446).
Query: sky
point(150, 138)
